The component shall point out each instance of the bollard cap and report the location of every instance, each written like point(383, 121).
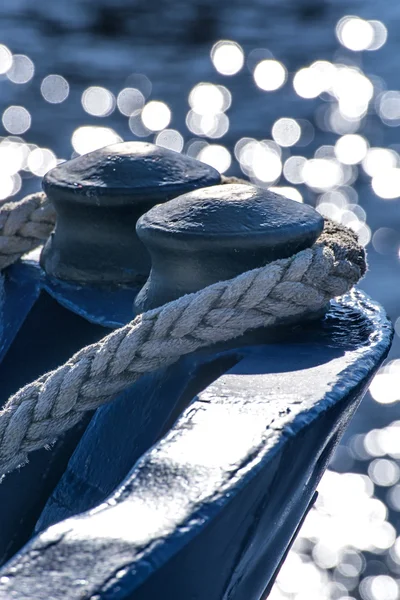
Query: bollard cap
point(118, 174)
point(99, 197)
point(232, 216)
point(216, 233)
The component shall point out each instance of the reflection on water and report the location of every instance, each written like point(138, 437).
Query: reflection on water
point(297, 96)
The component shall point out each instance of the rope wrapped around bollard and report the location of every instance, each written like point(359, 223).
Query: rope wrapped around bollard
point(286, 288)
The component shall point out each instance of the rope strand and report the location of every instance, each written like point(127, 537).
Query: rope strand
point(24, 225)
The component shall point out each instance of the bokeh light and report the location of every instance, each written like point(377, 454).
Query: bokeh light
point(379, 160)
point(384, 388)
point(355, 34)
point(389, 108)
point(380, 35)
point(227, 57)
point(88, 138)
point(293, 169)
point(310, 82)
point(379, 587)
point(41, 160)
point(130, 101)
point(216, 156)
point(351, 149)
point(261, 161)
point(170, 138)
point(270, 75)
point(386, 240)
point(54, 89)
point(286, 132)
point(156, 115)
point(207, 98)
point(21, 70)
point(16, 119)
point(353, 90)
point(384, 472)
point(98, 101)
point(386, 184)
point(5, 59)
point(322, 173)
point(289, 192)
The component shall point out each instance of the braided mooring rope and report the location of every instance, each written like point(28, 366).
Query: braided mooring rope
point(23, 226)
point(41, 411)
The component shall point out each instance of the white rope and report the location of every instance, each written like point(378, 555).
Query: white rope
point(41, 411)
point(24, 225)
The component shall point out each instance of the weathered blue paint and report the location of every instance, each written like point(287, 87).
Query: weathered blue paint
point(210, 509)
point(111, 307)
point(21, 290)
point(38, 336)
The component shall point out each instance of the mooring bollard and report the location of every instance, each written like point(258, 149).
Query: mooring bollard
point(99, 197)
point(212, 462)
point(94, 265)
point(195, 240)
point(217, 233)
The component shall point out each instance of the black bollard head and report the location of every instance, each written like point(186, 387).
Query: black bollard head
point(216, 233)
point(98, 199)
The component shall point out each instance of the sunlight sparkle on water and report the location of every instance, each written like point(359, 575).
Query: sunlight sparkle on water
point(130, 101)
point(385, 387)
point(137, 126)
point(170, 138)
point(322, 173)
point(88, 138)
point(286, 132)
point(156, 115)
point(310, 82)
point(351, 149)
point(270, 75)
point(207, 98)
point(16, 119)
point(54, 89)
point(260, 160)
point(288, 192)
point(293, 169)
point(13, 156)
point(338, 123)
point(380, 35)
point(6, 186)
point(386, 184)
point(384, 472)
point(216, 156)
point(227, 57)
point(210, 125)
point(379, 587)
point(98, 101)
point(386, 240)
point(356, 34)
point(21, 70)
point(5, 59)
point(40, 161)
point(378, 160)
point(353, 90)
point(389, 108)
